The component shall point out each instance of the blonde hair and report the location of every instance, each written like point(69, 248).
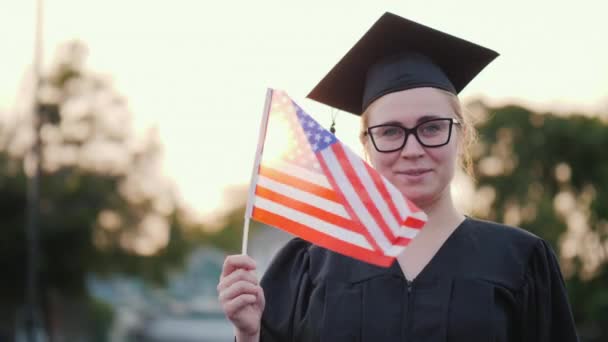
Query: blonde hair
point(467, 129)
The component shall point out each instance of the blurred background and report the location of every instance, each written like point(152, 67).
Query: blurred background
point(145, 118)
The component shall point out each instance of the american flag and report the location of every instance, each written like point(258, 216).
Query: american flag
point(312, 185)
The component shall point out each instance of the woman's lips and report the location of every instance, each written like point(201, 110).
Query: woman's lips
point(414, 174)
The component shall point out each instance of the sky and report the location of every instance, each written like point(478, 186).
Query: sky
point(198, 70)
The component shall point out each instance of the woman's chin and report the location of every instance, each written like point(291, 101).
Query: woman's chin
point(424, 197)
point(420, 198)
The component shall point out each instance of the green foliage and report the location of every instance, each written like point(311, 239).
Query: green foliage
point(103, 208)
point(549, 175)
point(102, 315)
point(229, 237)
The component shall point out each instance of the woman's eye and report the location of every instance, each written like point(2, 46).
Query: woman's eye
point(431, 128)
point(390, 131)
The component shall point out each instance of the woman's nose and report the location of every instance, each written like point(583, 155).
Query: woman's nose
point(412, 148)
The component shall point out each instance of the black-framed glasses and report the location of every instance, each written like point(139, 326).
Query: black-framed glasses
point(430, 133)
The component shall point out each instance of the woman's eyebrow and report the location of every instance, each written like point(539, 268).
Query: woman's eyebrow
point(427, 117)
point(419, 120)
point(392, 122)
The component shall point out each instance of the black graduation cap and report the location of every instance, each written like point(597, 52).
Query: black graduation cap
point(397, 54)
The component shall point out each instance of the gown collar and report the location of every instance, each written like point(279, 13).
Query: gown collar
point(364, 271)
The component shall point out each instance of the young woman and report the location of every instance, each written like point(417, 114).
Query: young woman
point(461, 279)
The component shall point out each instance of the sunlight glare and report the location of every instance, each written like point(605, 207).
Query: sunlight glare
point(279, 139)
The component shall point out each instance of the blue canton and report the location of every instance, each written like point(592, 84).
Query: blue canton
point(318, 137)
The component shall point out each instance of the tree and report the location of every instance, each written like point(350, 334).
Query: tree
point(105, 206)
point(547, 174)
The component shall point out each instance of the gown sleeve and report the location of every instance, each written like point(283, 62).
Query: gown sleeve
point(286, 283)
point(547, 316)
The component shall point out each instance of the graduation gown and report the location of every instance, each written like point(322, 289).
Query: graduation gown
point(488, 282)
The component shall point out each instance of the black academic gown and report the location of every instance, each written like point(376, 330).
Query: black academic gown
point(488, 282)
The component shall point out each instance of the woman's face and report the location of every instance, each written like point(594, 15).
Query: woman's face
point(422, 174)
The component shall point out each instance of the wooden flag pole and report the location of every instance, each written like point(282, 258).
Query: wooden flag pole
point(255, 170)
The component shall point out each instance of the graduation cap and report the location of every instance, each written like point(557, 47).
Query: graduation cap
point(398, 54)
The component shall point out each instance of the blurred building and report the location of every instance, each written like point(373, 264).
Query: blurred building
point(187, 308)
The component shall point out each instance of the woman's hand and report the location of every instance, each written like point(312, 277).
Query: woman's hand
point(240, 295)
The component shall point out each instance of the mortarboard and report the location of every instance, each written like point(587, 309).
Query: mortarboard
point(397, 54)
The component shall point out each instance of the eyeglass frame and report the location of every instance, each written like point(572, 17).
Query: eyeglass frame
point(414, 131)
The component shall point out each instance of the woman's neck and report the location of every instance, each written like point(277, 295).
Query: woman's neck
point(442, 213)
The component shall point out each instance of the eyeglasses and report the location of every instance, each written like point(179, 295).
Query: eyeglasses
point(393, 137)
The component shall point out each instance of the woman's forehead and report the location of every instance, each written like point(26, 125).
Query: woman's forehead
point(410, 106)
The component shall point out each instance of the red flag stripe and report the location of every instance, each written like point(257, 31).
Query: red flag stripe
point(414, 222)
point(402, 241)
point(314, 222)
point(405, 207)
point(303, 196)
point(313, 211)
point(323, 240)
point(355, 207)
point(356, 223)
point(305, 208)
point(313, 176)
point(351, 174)
point(392, 222)
point(353, 202)
point(296, 182)
point(408, 227)
point(384, 192)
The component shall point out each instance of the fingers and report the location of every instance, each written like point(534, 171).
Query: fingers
point(238, 279)
point(237, 275)
point(239, 293)
point(234, 306)
point(234, 262)
point(240, 288)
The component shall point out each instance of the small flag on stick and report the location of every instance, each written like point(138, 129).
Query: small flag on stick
point(308, 183)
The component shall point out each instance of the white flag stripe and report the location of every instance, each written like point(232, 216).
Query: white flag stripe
point(402, 206)
point(421, 215)
point(373, 192)
point(303, 196)
point(395, 250)
point(353, 199)
point(404, 210)
point(302, 173)
point(408, 232)
point(313, 222)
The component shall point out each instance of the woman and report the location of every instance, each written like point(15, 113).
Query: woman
point(461, 279)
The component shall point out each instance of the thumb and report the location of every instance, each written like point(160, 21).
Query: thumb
point(261, 298)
